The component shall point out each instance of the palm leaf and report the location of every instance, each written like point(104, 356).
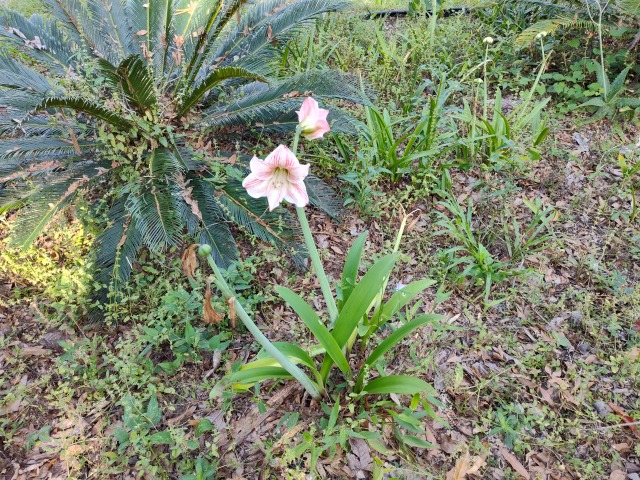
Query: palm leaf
point(85, 27)
point(39, 38)
point(86, 106)
point(265, 105)
point(34, 147)
point(14, 75)
point(217, 22)
point(155, 206)
point(267, 23)
point(324, 197)
point(215, 78)
point(214, 229)
point(629, 7)
point(114, 27)
point(150, 22)
point(191, 18)
point(115, 251)
point(528, 35)
point(48, 200)
point(137, 84)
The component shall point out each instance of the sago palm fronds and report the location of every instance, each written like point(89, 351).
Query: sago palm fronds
point(103, 94)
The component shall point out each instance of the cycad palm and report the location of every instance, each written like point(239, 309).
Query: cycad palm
point(575, 14)
point(108, 98)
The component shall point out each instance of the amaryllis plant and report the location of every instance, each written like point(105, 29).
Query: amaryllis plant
point(352, 317)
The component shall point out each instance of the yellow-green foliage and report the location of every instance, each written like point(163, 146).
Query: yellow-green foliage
point(26, 7)
point(54, 265)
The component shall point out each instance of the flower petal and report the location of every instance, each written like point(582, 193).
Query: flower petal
point(297, 174)
point(260, 168)
point(322, 127)
point(275, 196)
point(297, 194)
point(256, 187)
point(308, 110)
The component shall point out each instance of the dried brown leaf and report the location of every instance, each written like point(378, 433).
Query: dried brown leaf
point(231, 303)
point(190, 260)
point(459, 472)
point(35, 351)
point(360, 456)
point(211, 317)
point(515, 463)
point(622, 414)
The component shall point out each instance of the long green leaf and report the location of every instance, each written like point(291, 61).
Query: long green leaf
point(403, 296)
point(319, 331)
point(399, 384)
point(259, 374)
point(351, 265)
point(138, 85)
point(361, 298)
point(397, 336)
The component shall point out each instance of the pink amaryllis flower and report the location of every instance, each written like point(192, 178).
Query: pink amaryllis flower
point(313, 120)
point(278, 177)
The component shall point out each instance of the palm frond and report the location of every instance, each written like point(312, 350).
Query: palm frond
point(214, 229)
point(114, 27)
point(528, 35)
point(629, 7)
point(15, 153)
point(150, 22)
point(47, 200)
point(18, 105)
point(218, 76)
point(14, 122)
point(257, 49)
point(15, 75)
point(324, 197)
point(264, 105)
point(218, 20)
point(82, 25)
point(137, 84)
point(82, 105)
point(115, 251)
point(155, 205)
point(12, 197)
point(190, 20)
point(39, 38)
point(251, 18)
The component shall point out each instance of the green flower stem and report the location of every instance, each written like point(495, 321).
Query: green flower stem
point(523, 107)
point(486, 84)
point(313, 251)
point(298, 374)
point(296, 139)
point(317, 265)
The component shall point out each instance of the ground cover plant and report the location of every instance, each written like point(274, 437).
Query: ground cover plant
point(477, 294)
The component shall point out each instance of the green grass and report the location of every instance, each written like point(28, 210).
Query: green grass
point(26, 7)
